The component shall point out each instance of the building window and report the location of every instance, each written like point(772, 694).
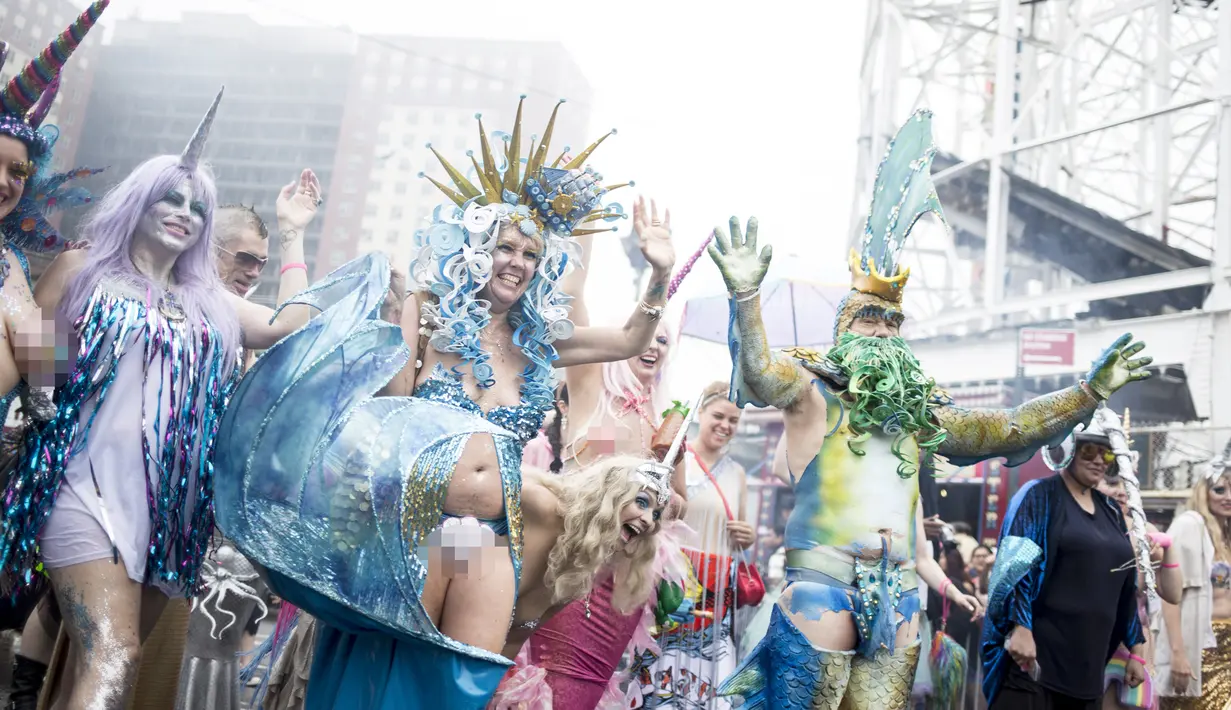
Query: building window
point(371, 210)
point(392, 236)
point(444, 83)
point(418, 82)
point(395, 213)
point(400, 188)
point(19, 21)
point(404, 164)
point(470, 83)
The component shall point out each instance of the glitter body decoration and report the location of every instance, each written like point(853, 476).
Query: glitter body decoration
point(883, 416)
point(335, 492)
point(178, 456)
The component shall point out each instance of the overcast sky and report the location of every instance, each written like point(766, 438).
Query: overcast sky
point(723, 108)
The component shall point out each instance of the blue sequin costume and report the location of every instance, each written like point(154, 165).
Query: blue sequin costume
point(335, 491)
point(1022, 553)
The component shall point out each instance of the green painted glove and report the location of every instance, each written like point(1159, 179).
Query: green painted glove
point(1116, 367)
point(742, 268)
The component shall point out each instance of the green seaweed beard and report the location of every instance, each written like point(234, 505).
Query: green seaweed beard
point(890, 393)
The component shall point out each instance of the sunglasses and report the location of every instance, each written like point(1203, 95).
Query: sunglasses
point(1091, 452)
point(245, 260)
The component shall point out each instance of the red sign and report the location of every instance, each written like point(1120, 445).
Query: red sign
point(1037, 346)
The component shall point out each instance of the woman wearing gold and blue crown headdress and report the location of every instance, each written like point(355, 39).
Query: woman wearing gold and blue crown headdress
point(858, 419)
point(359, 490)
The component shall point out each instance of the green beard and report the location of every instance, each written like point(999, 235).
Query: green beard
point(890, 393)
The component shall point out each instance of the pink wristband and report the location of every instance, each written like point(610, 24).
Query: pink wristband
point(944, 586)
point(1137, 658)
point(1170, 565)
point(294, 265)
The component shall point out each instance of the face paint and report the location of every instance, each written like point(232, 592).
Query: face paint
point(174, 222)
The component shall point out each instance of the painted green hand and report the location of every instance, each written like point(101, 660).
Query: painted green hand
point(742, 268)
point(1116, 367)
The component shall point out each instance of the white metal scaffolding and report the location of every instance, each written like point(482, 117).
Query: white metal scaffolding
point(1114, 104)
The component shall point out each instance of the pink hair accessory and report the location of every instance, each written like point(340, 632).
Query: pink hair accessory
point(293, 265)
point(1161, 539)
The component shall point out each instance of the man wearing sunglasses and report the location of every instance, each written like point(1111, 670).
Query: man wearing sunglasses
point(243, 247)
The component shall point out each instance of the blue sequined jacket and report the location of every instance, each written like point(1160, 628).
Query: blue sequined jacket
point(1020, 573)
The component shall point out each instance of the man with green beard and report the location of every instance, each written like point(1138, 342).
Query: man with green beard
point(859, 418)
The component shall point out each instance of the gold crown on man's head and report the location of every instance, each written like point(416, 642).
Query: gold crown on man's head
point(874, 283)
point(558, 196)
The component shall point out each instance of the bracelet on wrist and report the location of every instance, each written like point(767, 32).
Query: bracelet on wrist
point(1170, 565)
point(1137, 658)
point(744, 296)
point(293, 265)
point(654, 312)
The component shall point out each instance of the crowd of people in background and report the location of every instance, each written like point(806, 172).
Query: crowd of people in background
point(369, 443)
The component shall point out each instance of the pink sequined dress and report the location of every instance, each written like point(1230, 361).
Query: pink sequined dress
point(580, 652)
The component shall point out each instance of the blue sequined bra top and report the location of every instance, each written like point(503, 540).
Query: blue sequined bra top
point(444, 386)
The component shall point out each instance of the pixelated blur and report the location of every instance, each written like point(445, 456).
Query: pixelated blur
point(464, 548)
point(44, 348)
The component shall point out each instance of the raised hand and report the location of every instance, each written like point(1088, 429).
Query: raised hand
point(298, 202)
point(1116, 367)
point(742, 268)
point(654, 235)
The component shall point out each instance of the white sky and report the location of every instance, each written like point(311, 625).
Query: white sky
point(723, 108)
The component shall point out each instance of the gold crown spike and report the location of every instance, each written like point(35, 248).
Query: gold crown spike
point(512, 180)
point(468, 190)
point(872, 282)
point(458, 198)
point(580, 161)
point(489, 164)
point(559, 158)
point(490, 193)
point(540, 155)
point(558, 199)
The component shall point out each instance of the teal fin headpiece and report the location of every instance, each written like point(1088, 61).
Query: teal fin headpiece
point(903, 192)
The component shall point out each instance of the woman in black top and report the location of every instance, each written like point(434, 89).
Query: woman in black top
point(1061, 621)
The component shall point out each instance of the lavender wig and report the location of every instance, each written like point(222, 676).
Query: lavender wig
point(109, 232)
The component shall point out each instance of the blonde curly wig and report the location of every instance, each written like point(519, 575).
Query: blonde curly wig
point(590, 502)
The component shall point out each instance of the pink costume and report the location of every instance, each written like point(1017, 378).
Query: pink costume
point(580, 647)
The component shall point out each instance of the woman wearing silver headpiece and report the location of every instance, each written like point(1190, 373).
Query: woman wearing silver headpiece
point(1193, 654)
point(1082, 598)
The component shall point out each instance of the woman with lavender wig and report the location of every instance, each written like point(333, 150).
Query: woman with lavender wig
point(116, 499)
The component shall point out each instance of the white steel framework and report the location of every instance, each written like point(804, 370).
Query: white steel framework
point(1114, 104)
